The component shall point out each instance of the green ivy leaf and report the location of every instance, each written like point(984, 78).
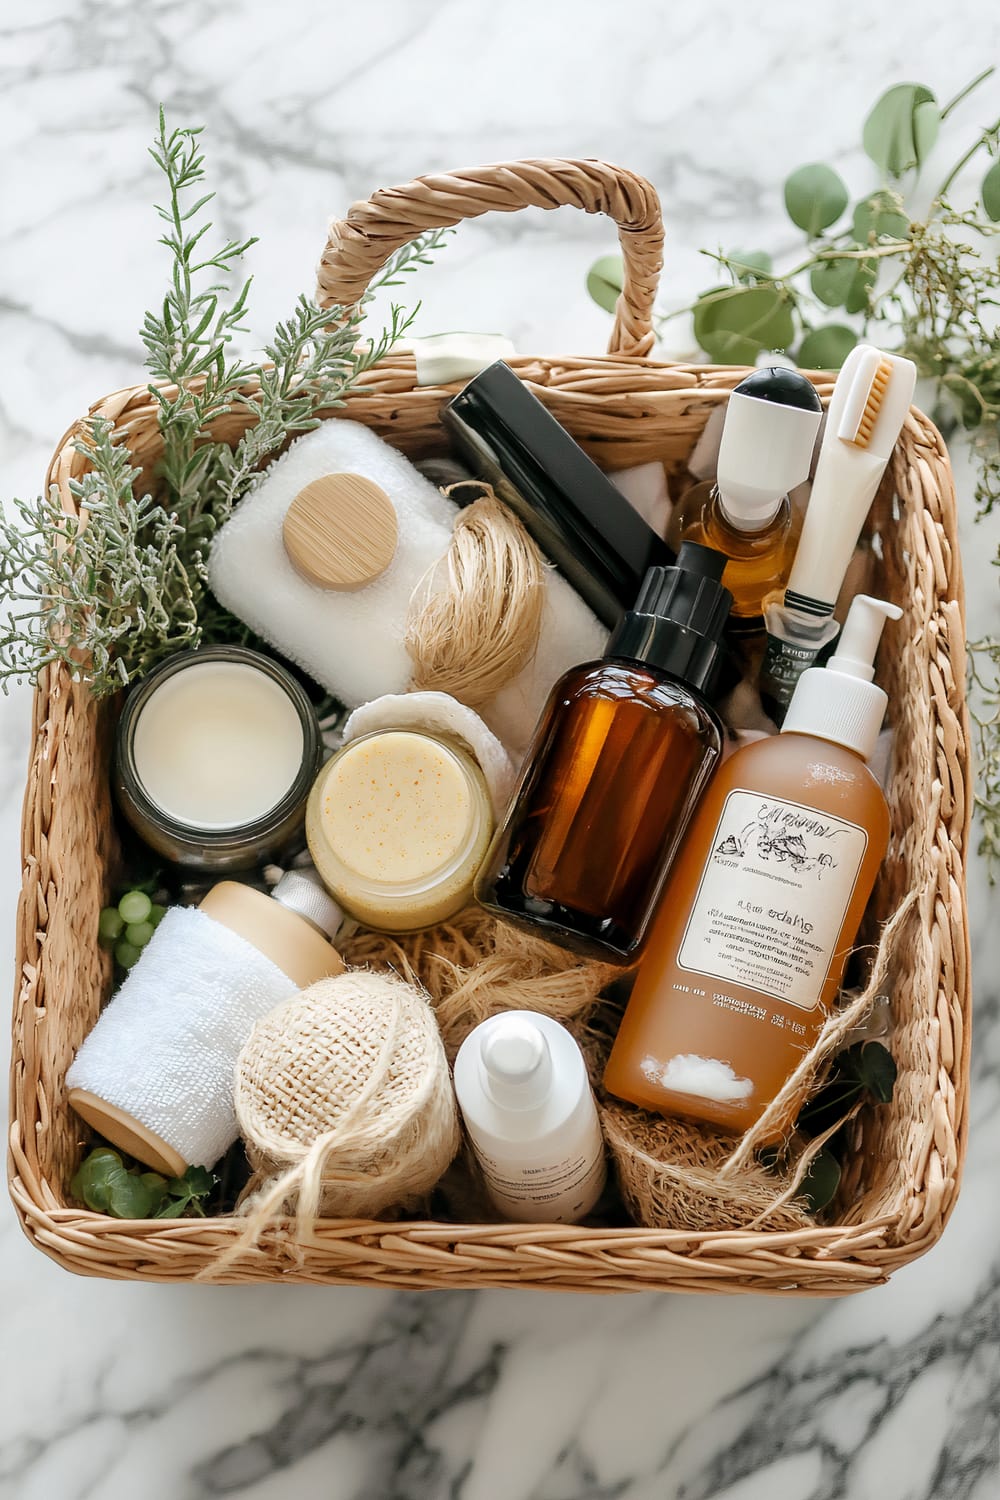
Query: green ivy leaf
point(831, 281)
point(877, 1070)
point(880, 216)
point(750, 266)
point(815, 197)
point(130, 1198)
point(736, 327)
point(826, 348)
point(605, 280)
point(96, 1176)
point(173, 1209)
point(821, 1181)
point(991, 192)
point(157, 1187)
point(901, 128)
point(199, 1181)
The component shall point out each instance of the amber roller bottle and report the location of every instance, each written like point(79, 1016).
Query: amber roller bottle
point(623, 751)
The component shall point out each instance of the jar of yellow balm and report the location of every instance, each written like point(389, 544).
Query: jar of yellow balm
point(398, 823)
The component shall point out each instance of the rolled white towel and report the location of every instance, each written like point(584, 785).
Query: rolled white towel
point(165, 1047)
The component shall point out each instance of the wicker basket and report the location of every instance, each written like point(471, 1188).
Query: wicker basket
point(625, 409)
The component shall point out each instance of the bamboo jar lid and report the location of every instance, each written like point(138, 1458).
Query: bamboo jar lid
point(340, 531)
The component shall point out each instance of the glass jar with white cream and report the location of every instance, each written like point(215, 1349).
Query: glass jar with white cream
point(398, 823)
point(215, 753)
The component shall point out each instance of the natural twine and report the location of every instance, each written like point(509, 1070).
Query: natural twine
point(345, 1102)
point(472, 630)
point(675, 1174)
point(474, 966)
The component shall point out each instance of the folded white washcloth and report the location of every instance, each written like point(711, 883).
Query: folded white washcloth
point(350, 641)
point(165, 1047)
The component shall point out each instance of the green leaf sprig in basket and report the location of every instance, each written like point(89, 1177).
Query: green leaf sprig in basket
point(904, 268)
point(110, 593)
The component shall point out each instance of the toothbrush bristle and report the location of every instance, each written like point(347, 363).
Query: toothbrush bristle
point(876, 395)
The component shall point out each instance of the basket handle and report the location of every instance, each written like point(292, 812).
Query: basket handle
point(358, 246)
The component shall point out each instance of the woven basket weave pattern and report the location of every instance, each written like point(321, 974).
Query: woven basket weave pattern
point(902, 1179)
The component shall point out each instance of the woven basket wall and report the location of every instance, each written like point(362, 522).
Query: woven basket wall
point(624, 409)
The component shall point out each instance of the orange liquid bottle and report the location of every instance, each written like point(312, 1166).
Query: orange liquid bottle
point(771, 422)
point(763, 904)
point(623, 751)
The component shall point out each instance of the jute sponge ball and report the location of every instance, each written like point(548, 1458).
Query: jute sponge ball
point(344, 1098)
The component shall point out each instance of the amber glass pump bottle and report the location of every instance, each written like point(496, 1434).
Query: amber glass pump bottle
point(763, 903)
point(622, 753)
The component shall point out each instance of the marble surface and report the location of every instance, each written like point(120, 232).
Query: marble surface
point(182, 1393)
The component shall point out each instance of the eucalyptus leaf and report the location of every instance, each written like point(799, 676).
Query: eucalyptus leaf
point(734, 328)
point(902, 128)
point(880, 216)
point(831, 280)
point(991, 192)
point(865, 277)
point(605, 280)
point(821, 1181)
point(966, 397)
point(815, 197)
point(826, 348)
point(750, 265)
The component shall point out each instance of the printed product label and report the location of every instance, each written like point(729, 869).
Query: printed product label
point(552, 1191)
point(773, 897)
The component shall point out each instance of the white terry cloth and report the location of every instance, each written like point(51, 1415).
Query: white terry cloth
point(570, 635)
point(439, 713)
point(351, 642)
point(165, 1047)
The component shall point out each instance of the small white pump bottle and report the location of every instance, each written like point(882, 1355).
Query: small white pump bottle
point(530, 1114)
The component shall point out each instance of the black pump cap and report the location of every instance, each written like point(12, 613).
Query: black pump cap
point(679, 617)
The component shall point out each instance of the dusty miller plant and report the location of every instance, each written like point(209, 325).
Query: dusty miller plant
point(908, 269)
point(112, 590)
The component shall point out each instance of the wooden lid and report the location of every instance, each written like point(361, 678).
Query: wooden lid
point(286, 938)
point(340, 532)
point(127, 1133)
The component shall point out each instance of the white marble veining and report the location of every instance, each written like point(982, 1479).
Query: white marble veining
point(184, 1393)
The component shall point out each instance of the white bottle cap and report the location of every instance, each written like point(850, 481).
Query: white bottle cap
point(766, 451)
point(516, 1061)
point(303, 893)
point(840, 702)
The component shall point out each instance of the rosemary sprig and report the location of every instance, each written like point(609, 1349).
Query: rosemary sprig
point(111, 593)
point(107, 593)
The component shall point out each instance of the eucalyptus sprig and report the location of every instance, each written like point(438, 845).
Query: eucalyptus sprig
point(113, 592)
point(907, 269)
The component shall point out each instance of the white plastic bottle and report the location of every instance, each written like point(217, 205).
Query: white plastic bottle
point(530, 1114)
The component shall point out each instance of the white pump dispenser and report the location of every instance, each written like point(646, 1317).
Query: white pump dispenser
point(530, 1115)
point(840, 702)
